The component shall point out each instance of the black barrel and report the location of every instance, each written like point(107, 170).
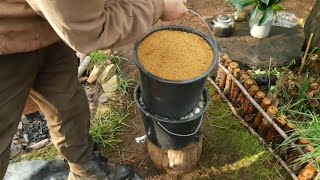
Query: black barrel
point(171, 133)
point(173, 99)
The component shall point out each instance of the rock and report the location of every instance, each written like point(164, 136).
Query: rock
point(94, 74)
point(201, 104)
point(103, 98)
point(20, 126)
point(91, 106)
point(107, 73)
point(242, 16)
point(197, 111)
point(24, 120)
point(26, 138)
point(110, 86)
point(15, 150)
point(40, 169)
point(89, 90)
point(102, 109)
point(37, 169)
point(282, 46)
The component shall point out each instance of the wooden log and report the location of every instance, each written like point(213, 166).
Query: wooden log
point(309, 148)
point(289, 129)
point(252, 131)
point(281, 121)
point(308, 173)
point(179, 161)
point(247, 84)
point(302, 141)
point(246, 105)
point(237, 91)
point(236, 74)
point(252, 110)
point(222, 80)
point(265, 125)
point(231, 67)
point(223, 75)
point(219, 71)
point(265, 104)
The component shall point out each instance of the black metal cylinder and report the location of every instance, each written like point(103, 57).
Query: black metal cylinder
point(173, 99)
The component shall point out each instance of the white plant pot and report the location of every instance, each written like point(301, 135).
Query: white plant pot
point(261, 31)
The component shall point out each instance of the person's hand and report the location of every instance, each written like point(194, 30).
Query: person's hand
point(174, 9)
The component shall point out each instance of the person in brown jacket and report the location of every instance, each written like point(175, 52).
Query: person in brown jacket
point(36, 58)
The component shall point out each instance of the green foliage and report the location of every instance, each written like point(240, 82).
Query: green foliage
point(298, 107)
point(98, 58)
point(268, 9)
point(123, 83)
point(106, 129)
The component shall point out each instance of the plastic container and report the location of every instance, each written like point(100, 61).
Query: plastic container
point(287, 20)
point(261, 31)
point(173, 99)
point(171, 133)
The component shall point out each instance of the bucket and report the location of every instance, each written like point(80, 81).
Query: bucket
point(171, 133)
point(172, 98)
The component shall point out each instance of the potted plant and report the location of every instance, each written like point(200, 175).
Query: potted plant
point(262, 14)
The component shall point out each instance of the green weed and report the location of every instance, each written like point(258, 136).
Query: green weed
point(106, 129)
point(123, 82)
point(98, 58)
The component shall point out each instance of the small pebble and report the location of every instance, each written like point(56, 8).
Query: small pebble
point(15, 137)
point(24, 120)
point(103, 98)
point(20, 126)
point(201, 104)
point(197, 111)
point(187, 116)
point(26, 138)
point(15, 142)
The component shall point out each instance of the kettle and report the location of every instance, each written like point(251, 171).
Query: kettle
point(223, 26)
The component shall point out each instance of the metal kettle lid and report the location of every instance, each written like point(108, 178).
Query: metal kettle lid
point(224, 19)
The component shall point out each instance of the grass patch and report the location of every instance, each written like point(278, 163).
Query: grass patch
point(107, 128)
point(98, 58)
point(230, 151)
point(297, 106)
point(123, 82)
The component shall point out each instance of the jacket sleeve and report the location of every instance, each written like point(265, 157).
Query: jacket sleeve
point(87, 25)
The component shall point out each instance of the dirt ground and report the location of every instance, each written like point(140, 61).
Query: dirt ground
point(229, 151)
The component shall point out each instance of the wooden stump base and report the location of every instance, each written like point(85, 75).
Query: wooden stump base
point(176, 161)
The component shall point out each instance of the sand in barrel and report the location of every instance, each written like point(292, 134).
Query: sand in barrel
point(175, 55)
